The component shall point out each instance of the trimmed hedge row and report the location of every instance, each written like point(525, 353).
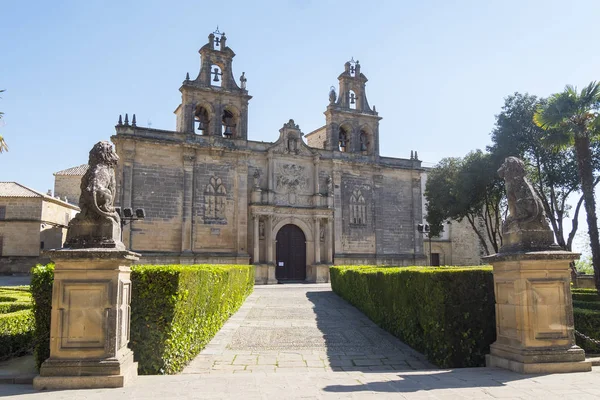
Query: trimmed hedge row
point(175, 310)
point(586, 315)
point(16, 322)
point(447, 313)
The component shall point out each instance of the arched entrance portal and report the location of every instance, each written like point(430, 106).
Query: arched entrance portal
point(291, 254)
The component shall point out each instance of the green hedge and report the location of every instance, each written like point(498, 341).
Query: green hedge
point(175, 310)
point(586, 315)
point(42, 277)
point(447, 313)
point(16, 322)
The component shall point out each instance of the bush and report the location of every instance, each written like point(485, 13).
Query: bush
point(16, 322)
point(42, 277)
point(447, 313)
point(175, 310)
point(587, 322)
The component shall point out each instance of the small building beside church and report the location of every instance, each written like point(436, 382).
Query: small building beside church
point(30, 222)
point(291, 207)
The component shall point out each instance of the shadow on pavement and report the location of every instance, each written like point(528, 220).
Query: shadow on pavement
point(355, 343)
point(441, 379)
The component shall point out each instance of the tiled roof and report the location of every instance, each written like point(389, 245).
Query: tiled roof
point(74, 171)
point(14, 189)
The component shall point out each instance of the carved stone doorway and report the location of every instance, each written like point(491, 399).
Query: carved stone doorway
point(290, 264)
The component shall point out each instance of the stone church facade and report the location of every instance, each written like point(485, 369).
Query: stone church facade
point(292, 207)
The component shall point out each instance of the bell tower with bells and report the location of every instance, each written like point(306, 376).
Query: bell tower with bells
point(352, 126)
point(213, 104)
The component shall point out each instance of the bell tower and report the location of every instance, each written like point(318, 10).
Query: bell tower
point(352, 126)
point(213, 104)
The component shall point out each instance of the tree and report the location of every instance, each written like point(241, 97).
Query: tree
point(553, 172)
point(470, 188)
point(571, 119)
point(3, 145)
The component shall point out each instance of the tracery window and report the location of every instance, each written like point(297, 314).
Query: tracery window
point(358, 209)
point(215, 197)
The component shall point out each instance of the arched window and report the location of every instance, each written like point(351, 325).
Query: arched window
point(202, 119)
point(228, 124)
point(364, 140)
point(358, 209)
point(217, 75)
point(343, 140)
point(215, 197)
point(352, 99)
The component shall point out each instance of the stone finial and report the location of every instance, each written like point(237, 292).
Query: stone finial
point(97, 225)
point(526, 227)
point(133, 121)
point(126, 120)
point(120, 120)
point(187, 76)
point(291, 124)
point(412, 155)
point(49, 192)
point(416, 156)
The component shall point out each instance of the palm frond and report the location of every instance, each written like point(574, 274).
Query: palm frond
point(3, 145)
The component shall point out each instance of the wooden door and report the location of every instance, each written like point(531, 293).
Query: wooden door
point(291, 254)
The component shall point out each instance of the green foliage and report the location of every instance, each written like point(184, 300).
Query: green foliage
point(470, 188)
point(16, 322)
point(447, 313)
point(586, 315)
point(584, 265)
point(42, 277)
point(572, 120)
point(175, 310)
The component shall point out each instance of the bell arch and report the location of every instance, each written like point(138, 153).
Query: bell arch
point(230, 120)
point(203, 116)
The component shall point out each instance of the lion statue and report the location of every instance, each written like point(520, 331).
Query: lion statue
point(526, 225)
point(97, 224)
point(98, 184)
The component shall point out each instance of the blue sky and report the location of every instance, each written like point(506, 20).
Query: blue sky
point(438, 70)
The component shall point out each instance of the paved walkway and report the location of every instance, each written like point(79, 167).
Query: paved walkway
point(304, 328)
point(302, 341)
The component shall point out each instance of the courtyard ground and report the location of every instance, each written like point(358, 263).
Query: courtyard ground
point(302, 341)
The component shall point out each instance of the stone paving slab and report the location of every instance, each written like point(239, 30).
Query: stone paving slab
point(303, 327)
point(467, 383)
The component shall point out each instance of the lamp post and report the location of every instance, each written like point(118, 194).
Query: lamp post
point(424, 229)
point(127, 216)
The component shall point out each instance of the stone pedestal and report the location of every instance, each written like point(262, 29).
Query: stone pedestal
point(534, 314)
point(264, 274)
point(90, 321)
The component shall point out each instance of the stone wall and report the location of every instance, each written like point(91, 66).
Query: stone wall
point(20, 230)
point(68, 186)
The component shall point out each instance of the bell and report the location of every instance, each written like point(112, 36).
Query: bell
point(200, 126)
point(228, 131)
point(352, 98)
point(216, 78)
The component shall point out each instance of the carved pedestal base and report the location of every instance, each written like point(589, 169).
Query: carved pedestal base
point(90, 321)
point(318, 273)
point(264, 274)
point(534, 314)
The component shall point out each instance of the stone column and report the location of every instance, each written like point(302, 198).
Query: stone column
point(188, 194)
point(90, 318)
point(329, 241)
point(317, 235)
point(269, 240)
point(534, 314)
point(256, 239)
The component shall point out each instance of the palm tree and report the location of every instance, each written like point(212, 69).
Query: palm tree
point(573, 120)
point(3, 145)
